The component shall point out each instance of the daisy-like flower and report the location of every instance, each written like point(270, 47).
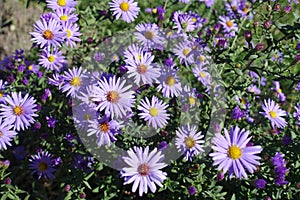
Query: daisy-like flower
point(105, 130)
point(274, 113)
point(114, 98)
point(143, 169)
point(65, 15)
point(232, 153)
point(82, 115)
point(170, 84)
point(229, 26)
point(18, 111)
point(154, 112)
point(48, 34)
point(142, 69)
point(52, 60)
point(202, 75)
point(189, 96)
point(208, 3)
point(184, 52)
point(127, 9)
point(6, 134)
point(57, 4)
point(73, 33)
point(72, 81)
point(149, 35)
point(134, 51)
point(183, 22)
point(277, 88)
point(189, 141)
point(43, 165)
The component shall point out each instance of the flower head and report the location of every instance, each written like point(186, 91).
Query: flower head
point(19, 111)
point(127, 9)
point(52, 60)
point(232, 153)
point(149, 35)
point(274, 113)
point(72, 81)
point(143, 169)
point(58, 4)
point(170, 84)
point(43, 165)
point(7, 134)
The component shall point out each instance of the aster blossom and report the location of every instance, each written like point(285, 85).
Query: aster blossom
point(232, 153)
point(72, 81)
point(143, 169)
point(189, 141)
point(149, 35)
point(57, 4)
point(18, 110)
point(114, 97)
point(169, 82)
point(72, 34)
point(154, 112)
point(48, 33)
point(52, 60)
point(43, 165)
point(7, 134)
point(127, 9)
point(272, 111)
point(229, 26)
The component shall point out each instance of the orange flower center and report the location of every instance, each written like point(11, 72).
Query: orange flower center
point(104, 126)
point(48, 35)
point(18, 110)
point(42, 166)
point(144, 169)
point(149, 35)
point(113, 97)
point(229, 23)
point(142, 69)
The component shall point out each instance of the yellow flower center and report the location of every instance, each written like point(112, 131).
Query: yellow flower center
point(246, 10)
point(104, 127)
point(42, 166)
point(244, 101)
point(202, 74)
point(113, 97)
point(153, 112)
point(229, 23)
point(186, 51)
point(62, 3)
point(154, 10)
point(169, 33)
point(273, 114)
point(234, 152)
point(144, 169)
point(139, 56)
point(201, 58)
point(124, 6)
point(18, 110)
point(51, 59)
point(30, 67)
point(279, 90)
point(87, 117)
point(170, 81)
point(69, 33)
point(149, 35)
point(48, 35)
point(192, 100)
point(194, 19)
point(76, 81)
point(234, 8)
point(189, 142)
point(64, 18)
point(1, 94)
point(142, 69)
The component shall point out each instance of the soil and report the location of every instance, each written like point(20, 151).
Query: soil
point(16, 21)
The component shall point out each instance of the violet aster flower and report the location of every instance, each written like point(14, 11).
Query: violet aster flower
point(2, 88)
point(208, 3)
point(19, 111)
point(51, 121)
point(142, 69)
point(170, 84)
point(277, 88)
point(113, 96)
point(66, 15)
point(237, 113)
point(189, 141)
point(154, 112)
point(273, 112)
point(280, 169)
point(48, 34)
point(232, 153)
point(72, 35)
point(183, 22)
point(143, 169)
point(202, 75)
point(127, 9)
point(184, 52)
point(229, 26)
point(72, 81)
point(149, 35)
point(297, 113)
point(52, 60)
point(57, 4)
point(7, 134)
point(260, 183)
point(192, 190)
point(43, 165)
point(105, 130)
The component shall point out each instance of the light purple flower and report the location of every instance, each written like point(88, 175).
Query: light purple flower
point(127, 9)
point(57, 4)
point(273, 112)
point(7, 134)
point(52, 60)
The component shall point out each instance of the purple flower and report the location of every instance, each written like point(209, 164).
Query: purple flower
point(42, 164)
point(237, 113)
point(51, 121)
point(127, 9)
point(192, 190)
point(260, 183)
point(163, 146)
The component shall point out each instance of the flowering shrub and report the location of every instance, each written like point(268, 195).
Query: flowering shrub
point(129, 99)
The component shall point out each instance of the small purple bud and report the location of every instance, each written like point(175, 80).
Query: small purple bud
point(7, 181)
point(287, 9)
point(260, 183)
point(220, 176)
point(67, 188)
point(192, 190)
point(260, 47)
point(82, 195)
point(248, 35)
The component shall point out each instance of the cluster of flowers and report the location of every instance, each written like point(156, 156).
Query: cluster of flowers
point(55, 29)
point(280, 170)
